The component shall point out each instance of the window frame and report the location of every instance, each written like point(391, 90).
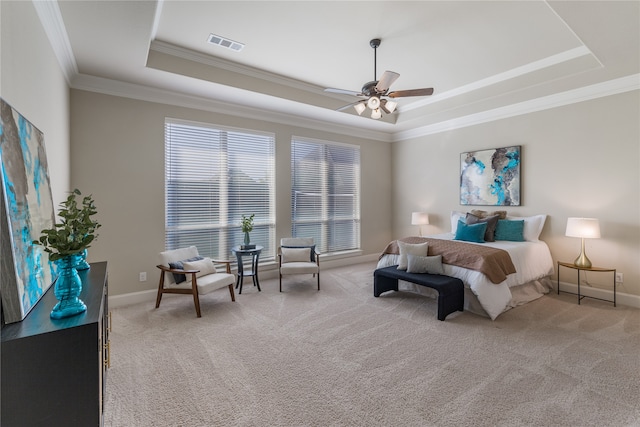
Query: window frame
point(331, 222)
point(222, 225)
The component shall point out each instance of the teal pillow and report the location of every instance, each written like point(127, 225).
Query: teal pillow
point(512, 230)
point(471, 232)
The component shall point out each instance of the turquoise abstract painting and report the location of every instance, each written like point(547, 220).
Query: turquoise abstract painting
point(490, 177)
point(27, 208)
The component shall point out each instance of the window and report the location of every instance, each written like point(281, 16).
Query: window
point(325, 193)
point(213, 176)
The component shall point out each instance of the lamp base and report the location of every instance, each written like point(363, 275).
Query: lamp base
point(582, 261)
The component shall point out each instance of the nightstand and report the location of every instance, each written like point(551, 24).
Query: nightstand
point(594, 269)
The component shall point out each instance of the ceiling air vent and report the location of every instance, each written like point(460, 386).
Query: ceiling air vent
point(225, 42)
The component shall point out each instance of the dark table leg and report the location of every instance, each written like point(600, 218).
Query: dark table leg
point(240, 273)
point(256, 282)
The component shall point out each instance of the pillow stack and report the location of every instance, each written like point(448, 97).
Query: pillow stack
point(179, 265)
point(480, 226)
point(414, 259)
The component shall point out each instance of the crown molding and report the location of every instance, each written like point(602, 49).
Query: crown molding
point(599, 90)
point(532, 67)
point(163, 96)
point(51, 20)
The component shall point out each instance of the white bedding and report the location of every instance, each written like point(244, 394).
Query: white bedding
point(532, 261)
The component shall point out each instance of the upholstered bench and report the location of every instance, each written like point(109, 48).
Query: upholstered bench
point(450, 289)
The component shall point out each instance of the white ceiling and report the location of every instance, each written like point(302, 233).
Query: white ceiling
point(485, 59)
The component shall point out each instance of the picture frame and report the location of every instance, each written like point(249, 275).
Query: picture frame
point(27, 208)
point(491, 177)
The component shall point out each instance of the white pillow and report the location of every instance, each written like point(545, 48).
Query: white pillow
point(425, 264)
point(419, 249)
point(296, 254)
point(204, 265)
point(455, 216)
point(532, 226)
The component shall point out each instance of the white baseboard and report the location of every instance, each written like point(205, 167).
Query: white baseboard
point(605, 294)
point(267, 271)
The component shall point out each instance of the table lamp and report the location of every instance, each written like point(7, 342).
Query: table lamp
point(420, 219)
point(585, 228)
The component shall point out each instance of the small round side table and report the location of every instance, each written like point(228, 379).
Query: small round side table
point(253, 271)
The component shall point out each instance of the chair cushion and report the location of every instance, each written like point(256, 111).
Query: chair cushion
point(209, 283)
point(296, 255)
point(205, 265)
point(312, 252)
point(299, 268)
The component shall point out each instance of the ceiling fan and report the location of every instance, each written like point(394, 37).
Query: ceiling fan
point(375, 92)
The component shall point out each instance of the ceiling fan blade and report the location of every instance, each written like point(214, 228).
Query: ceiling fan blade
point(386, 81)
point(344, 91)
point(346, 107)
point(410, 92)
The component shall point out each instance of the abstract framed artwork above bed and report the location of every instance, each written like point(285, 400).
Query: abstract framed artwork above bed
point(490, 177)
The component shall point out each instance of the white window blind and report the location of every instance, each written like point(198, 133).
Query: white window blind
point(325, 193)
point(213, 176)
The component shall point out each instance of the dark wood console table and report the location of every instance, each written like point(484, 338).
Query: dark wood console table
point(54, 371)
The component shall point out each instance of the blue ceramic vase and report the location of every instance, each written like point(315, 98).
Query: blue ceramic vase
point(82, 262)
point(67, 288)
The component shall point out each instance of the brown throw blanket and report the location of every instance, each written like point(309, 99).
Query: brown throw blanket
point(494, 263)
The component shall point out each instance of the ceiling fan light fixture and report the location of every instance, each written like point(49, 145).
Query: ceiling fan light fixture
point(360, 107)
point(376, 114)
point(373, 103)
point(391, 106)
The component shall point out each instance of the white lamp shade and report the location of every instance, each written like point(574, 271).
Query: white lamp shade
point(419, 218)
point(391, 106)
point(360, 107)
point(376, 114)
point(373, 102)
point(587, 228)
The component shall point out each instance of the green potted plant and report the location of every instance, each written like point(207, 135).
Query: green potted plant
point(247, 227)
point(65, 243)
point(75, 231)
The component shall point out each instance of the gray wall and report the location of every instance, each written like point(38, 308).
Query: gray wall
point(31, 81)
point(117, 154)
point(578, 160)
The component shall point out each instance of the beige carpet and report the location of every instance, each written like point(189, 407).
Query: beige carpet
point(340, 357)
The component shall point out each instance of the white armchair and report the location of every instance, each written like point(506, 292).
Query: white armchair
point(183, 271)
point(298, 255)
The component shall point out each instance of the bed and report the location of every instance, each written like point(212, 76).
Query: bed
point(531, 259)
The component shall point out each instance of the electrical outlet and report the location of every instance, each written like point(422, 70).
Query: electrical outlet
point(143, 276)
point(619, 278)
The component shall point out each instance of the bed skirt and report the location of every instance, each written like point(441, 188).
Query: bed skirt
point(521, 294)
